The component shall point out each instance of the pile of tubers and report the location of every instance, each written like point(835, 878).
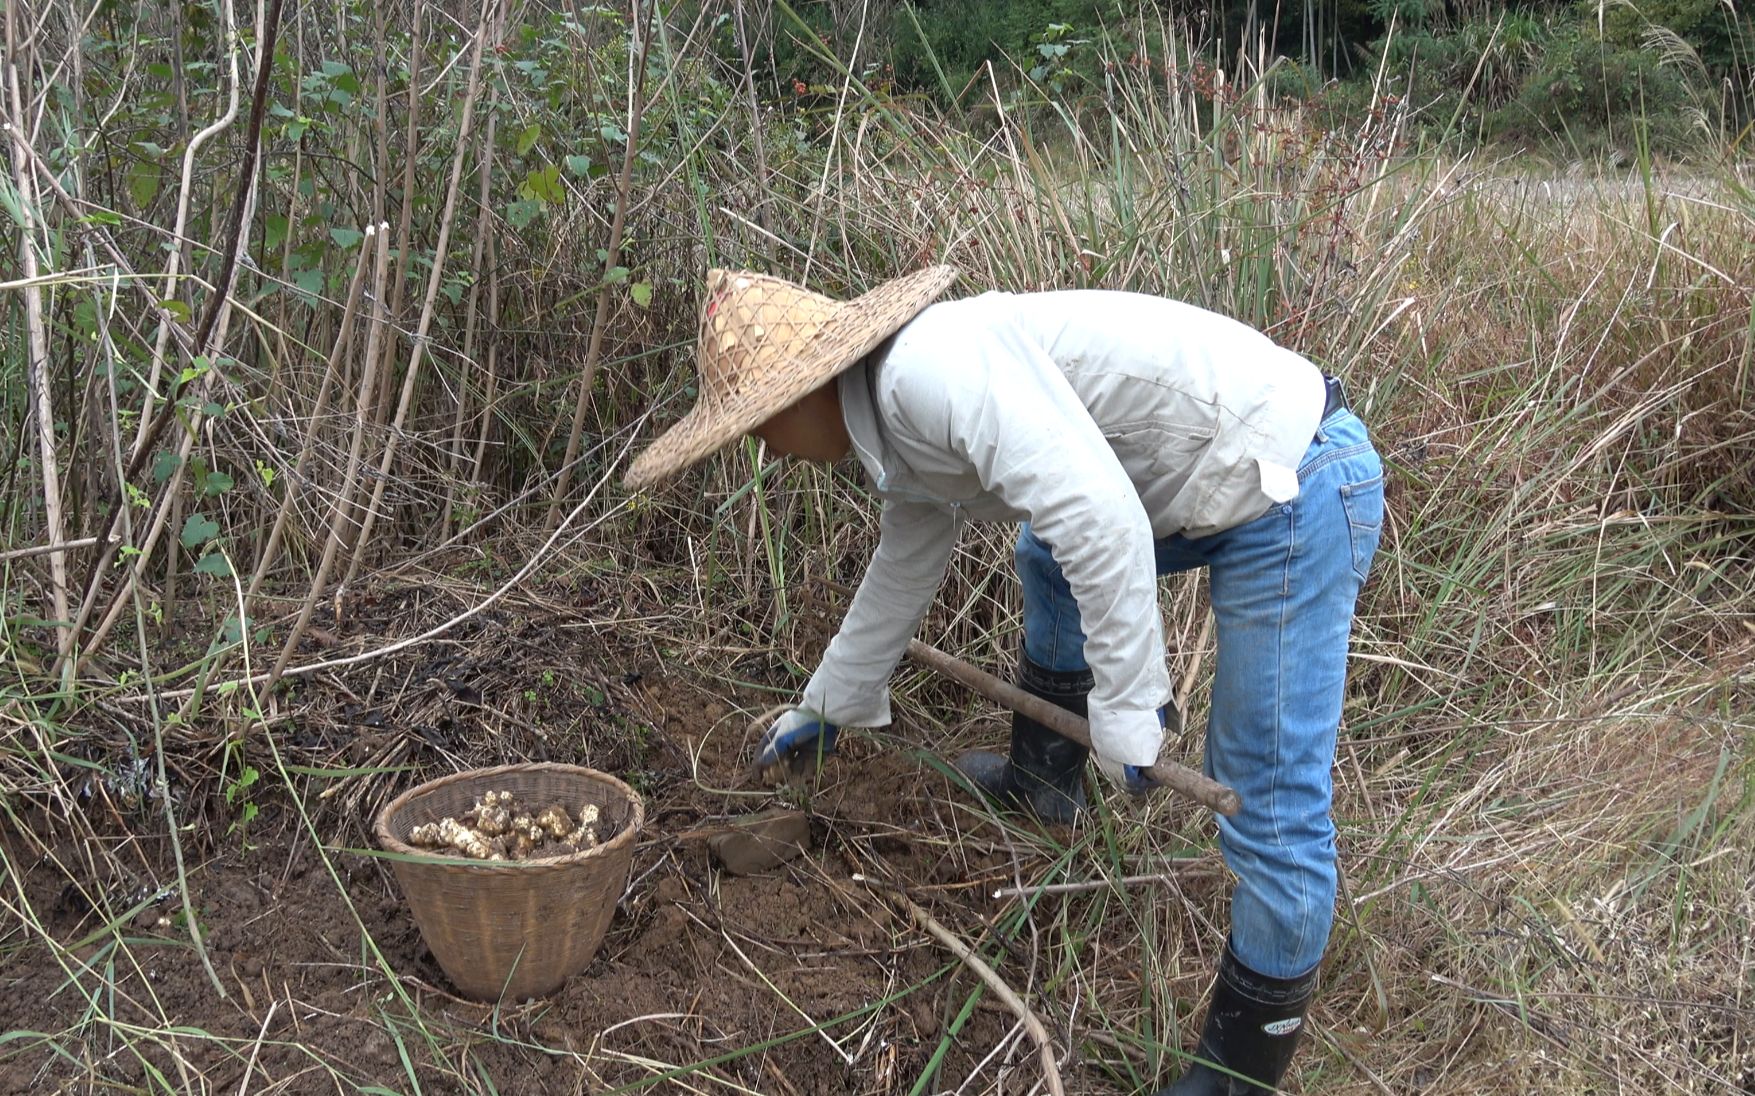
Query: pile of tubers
point(501, 827)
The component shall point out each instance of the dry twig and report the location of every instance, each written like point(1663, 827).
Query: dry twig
point(344, 499)
point(434, 280)
point(612, 258)
point(1032, 1023)
point(1192, 867)
point(48, 549)
point(37, 370)
point(220, 295)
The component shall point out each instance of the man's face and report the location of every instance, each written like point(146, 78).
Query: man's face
point(810, 429)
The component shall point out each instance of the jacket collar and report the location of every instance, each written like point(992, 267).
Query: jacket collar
point(859, 414)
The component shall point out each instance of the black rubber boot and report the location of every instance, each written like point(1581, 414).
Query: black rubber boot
point(1251, 1030)
point(1045, 773)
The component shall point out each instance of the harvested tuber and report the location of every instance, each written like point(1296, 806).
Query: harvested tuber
point(585, 837)
point(554, 821)
point(492, 818)
point(501, 827)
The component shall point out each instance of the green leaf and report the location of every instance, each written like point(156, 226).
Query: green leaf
point(528, 138)
point(143, 179)
point(308, 283)
point(218, 483)
point(642, 293)
point(346, 237)
point(198, 530)
point(274, 230)
point(544, 184)
point(194, 369)
point(214, 563)
point(242, 784)
point(616, 275)
point(579, 165)
point(164, 466)
point(522, 212)
point(342, 77)
point(213, 410)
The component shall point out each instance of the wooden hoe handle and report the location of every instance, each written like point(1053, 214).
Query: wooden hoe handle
point(1208, 793)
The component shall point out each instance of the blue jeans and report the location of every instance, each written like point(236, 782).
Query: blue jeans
point(1283, 589)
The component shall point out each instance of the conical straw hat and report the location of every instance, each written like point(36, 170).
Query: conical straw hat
point(767, 343)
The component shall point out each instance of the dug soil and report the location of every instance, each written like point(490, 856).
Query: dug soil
point(327, 982)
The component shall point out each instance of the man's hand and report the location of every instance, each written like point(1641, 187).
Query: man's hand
point(1132, 778)
point(793, 742)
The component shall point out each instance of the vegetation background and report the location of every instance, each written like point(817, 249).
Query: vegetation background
point(307, 305)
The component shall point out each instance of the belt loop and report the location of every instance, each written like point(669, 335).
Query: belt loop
point(1334, 399)
point(1328, 405)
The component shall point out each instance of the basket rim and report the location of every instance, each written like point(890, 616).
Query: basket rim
point(627, 836)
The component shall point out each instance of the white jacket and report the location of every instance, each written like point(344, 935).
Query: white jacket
point(1105, 420)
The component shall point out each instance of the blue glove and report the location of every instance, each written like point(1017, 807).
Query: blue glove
point(798, 737)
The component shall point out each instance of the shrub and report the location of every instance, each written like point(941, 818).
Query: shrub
point(963, 36)
point(1716, 33)
point(1586, 86)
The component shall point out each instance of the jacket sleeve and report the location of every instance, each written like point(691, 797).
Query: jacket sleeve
point(851, 685)
point(1032, 443)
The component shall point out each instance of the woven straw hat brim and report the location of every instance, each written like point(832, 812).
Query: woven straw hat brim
point(705, 429)
point(852, 330)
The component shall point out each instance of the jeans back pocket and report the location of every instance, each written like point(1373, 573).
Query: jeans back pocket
point(1363, 502)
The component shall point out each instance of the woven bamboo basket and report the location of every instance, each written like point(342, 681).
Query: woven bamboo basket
point(513, 930)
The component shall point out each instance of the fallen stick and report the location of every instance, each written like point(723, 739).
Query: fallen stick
point(51, 549)
point(1032, 1025)
point(1189, 676)
point(1194, 867)
point(1207, 792)
point(256, 1048)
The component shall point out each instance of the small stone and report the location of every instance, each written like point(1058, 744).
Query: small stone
point(761, 841)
